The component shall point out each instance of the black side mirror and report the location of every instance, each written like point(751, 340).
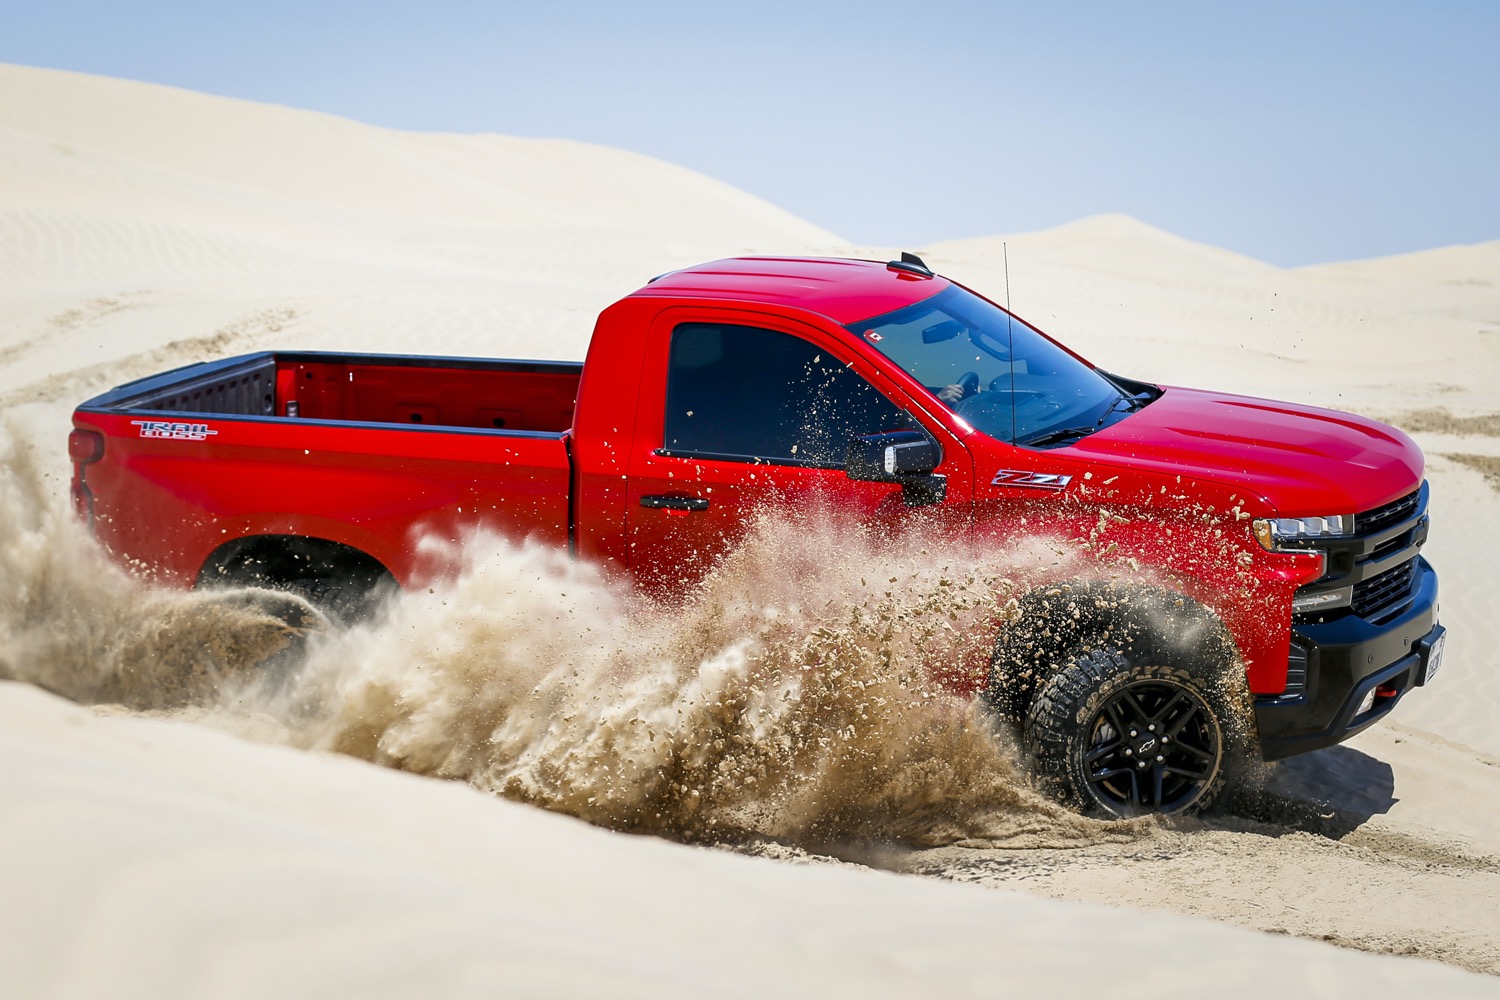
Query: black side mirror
point(905, 457)
point(885, 458)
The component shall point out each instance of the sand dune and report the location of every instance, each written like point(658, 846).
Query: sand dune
point(1371, 336)
point(159, 855)
point(170, 154)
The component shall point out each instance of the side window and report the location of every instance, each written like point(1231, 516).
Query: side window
point(745, 393)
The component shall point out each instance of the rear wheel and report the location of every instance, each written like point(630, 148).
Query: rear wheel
point(1114, 738)
point(345, 584)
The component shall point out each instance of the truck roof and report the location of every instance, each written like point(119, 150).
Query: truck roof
point(844, 290)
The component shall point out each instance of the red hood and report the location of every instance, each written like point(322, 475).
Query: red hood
point(1302, 459)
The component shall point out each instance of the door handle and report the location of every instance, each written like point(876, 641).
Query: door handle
point(662, 502)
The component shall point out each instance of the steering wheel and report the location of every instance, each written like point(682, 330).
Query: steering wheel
point(986, 407)
point(969, 383)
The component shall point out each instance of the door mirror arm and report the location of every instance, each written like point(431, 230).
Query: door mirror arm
point(904, 457)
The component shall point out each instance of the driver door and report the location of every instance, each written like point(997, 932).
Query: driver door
point(755, 418)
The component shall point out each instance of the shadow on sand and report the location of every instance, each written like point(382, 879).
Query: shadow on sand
point(1330, 792)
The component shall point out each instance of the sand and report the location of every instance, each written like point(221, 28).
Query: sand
point(218, 849)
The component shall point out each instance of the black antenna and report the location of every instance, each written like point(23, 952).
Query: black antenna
point(911, 264)
point(1010, 343)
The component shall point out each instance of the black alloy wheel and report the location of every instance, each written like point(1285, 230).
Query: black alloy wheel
point(1121, 740)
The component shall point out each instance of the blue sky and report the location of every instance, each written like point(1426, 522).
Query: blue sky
point(1293, 132)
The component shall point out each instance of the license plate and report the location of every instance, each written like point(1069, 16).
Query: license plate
point(1434, 658)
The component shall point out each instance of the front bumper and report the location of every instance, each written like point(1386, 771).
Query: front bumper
point(1345, 660)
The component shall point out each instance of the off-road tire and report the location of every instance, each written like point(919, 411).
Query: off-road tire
point(1087, 737)
point(1031, 649)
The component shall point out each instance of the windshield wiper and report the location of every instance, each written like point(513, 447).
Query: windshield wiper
point(1058, 436)
point(1131, 404)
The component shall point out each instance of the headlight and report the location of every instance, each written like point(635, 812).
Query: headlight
point(1279, 534)
point(1322, 600)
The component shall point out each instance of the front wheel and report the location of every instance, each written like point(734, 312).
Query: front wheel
point(1116, 739)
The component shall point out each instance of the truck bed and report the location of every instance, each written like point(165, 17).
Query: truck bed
point(535, 396)
point(371, 452)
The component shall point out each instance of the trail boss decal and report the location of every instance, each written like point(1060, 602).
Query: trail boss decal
point(174, 430)
point(1033, 480)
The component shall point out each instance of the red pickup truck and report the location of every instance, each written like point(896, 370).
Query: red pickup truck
point(1277, 546)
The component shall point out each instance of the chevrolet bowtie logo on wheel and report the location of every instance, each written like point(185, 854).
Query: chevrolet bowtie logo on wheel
point(1034, 480)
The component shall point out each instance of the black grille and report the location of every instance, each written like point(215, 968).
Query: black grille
point(1396, 544)
point(1383, 590)
point(1383, 517)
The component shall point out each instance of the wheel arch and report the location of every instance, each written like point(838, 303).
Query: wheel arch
point(333, 575)
point(1053, 624)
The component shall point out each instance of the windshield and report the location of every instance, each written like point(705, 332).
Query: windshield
point(1000, 375)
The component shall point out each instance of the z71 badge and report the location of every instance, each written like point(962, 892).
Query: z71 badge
point(174, 430)
point(1033, 480)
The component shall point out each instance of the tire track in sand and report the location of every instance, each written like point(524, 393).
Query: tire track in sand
point(80, 381)
point(1279, 859)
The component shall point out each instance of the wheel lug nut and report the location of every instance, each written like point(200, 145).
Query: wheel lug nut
point(1141, 765)
point(1151, 728)
point(1128, 751)
point(1134, 732)
point(1160, 758)
point(1166, 739)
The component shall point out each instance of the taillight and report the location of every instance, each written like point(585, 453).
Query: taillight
point(85, 446)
